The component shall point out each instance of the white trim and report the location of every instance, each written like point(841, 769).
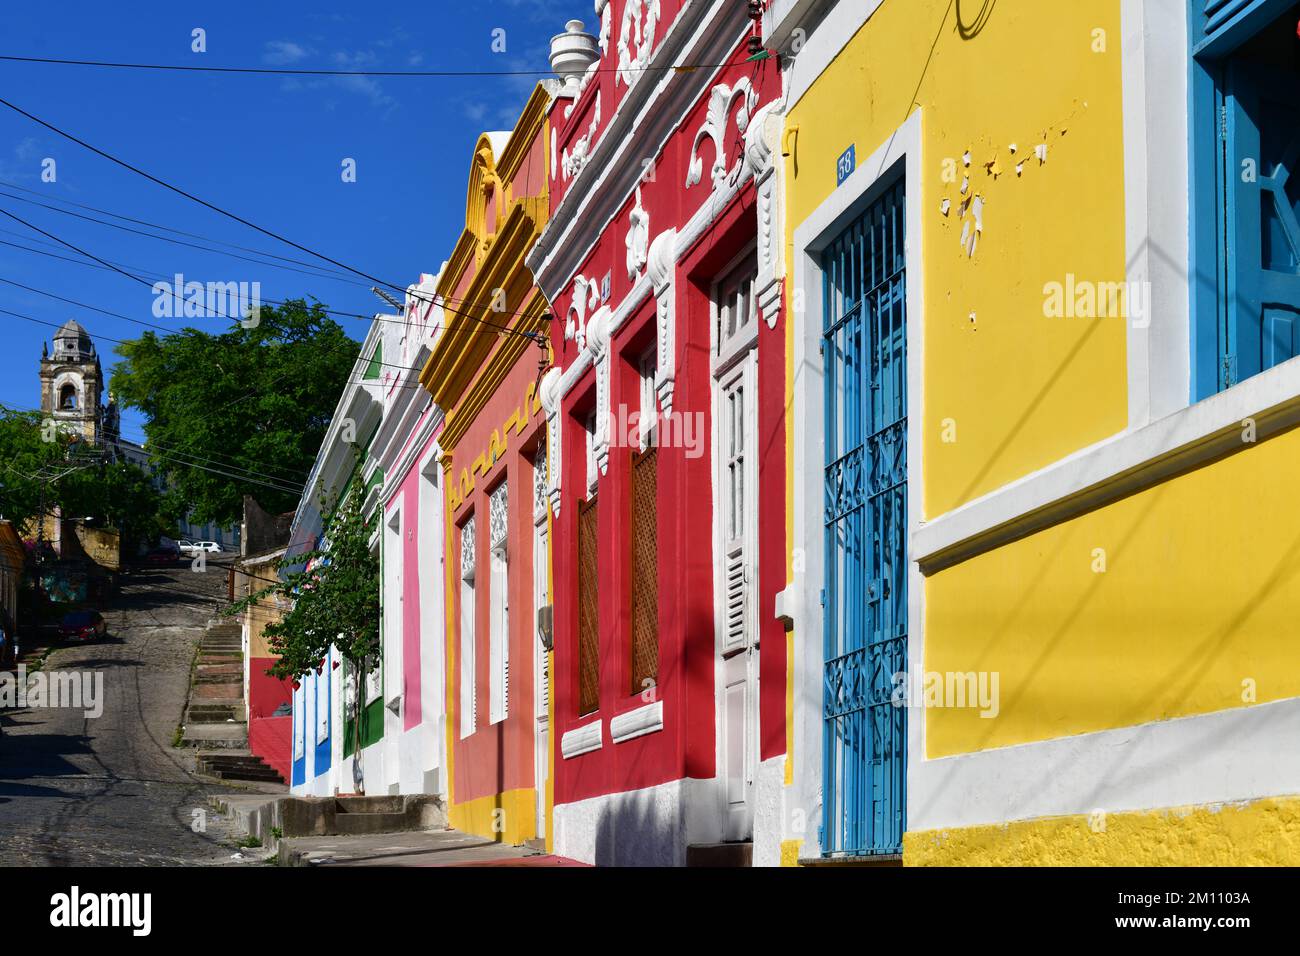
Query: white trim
point(1168, 763)
point(581, 740)
point(636, 723)
point(1114, 467)
point(1155, 133)
point(828, 31)
point(810, 237)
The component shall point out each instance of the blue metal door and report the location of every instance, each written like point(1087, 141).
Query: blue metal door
point(864, 346)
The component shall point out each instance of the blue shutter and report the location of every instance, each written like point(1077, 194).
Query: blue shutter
point(1261, 129)
point(1217, 25)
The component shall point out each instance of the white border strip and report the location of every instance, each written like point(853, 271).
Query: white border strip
point(1170, 763)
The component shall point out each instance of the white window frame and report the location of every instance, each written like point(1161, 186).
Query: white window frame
point(394, 556)
point(593, 469)
point(299, 721)
point(322, 701)
point(648, 410)
point(740, 274)
point(468, 607)
point(499, 606)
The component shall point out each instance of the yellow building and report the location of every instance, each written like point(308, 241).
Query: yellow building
point(1040, 428)
point(483, 371)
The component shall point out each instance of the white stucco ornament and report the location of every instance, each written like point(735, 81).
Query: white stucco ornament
point(585, 295)
point(636, 39)
point(576, 155)
point(714, 128)
point(550, 394)
point(662, 265)
point(637, 239)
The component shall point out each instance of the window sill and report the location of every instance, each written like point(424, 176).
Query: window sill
point(1114, 468)
point(582, 739)
point(637, 723)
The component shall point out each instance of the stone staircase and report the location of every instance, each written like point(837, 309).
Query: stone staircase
point(216, 718)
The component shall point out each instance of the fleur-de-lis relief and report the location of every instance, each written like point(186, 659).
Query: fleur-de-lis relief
point(714, 128)
point(636, 39)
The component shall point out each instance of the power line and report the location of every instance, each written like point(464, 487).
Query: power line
point(156, 225)
point(215, 208)
point(181, 242)
point(141, 273)
point(272, 71)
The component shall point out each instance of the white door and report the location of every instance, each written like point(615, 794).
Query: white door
point(738, 637)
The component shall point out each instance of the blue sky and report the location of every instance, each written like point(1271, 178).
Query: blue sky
point(268, 148)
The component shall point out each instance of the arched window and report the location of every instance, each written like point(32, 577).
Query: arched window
point(68, 396)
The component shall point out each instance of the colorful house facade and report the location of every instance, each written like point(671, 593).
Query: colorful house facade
point(324, 734)
point(666, 432)
point(1041, 422)
point(407, 453)
point(483, 370)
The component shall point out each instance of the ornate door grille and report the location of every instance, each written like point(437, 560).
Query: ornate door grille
point(588, 611)
point(865, 602)
point(645, 571)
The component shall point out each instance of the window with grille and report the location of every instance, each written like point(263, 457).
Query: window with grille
point(645, 570)
point(588, 611)
point(1246, 135)
point(468, 695)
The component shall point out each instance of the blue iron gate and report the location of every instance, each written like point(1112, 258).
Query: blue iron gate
point(864, 345)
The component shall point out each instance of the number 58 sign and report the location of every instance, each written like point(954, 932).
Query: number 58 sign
point(844, 166)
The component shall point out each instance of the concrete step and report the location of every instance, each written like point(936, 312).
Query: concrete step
point(238, 766)
point(356, 824)
point(205, 714)
point(223, 736)
point(375, 804)
point(720, 854)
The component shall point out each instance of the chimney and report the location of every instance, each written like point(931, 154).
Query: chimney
point(572, 52)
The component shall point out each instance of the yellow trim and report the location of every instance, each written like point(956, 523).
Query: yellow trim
point(790, 852)
point(1260, 833)
point(516, 822)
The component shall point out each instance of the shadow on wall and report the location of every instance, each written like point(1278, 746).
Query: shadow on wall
point(642, 829)
point(970, 28)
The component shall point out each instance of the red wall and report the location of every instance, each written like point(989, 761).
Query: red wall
point(497, 757)
point(271, 739)
point(266, 693)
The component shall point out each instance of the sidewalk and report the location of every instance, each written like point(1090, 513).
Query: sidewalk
point(420, 848)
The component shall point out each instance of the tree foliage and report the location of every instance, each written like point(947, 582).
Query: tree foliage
point(233, 413)
point(333, 596)
point(40, 466)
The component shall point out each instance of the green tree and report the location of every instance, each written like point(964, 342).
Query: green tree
point(333, 596)
point(43, 468)
point(240, 412)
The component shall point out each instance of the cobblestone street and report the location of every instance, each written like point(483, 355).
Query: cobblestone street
point(112, 791)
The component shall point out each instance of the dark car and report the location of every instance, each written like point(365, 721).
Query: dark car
point(8, 644)
point(82, 626)
point(162, 557)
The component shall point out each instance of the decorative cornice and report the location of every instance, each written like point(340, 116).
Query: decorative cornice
point(641, 125)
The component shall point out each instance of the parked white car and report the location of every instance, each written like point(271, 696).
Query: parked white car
point(194, 547)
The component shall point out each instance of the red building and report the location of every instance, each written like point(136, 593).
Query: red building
point(666, 431)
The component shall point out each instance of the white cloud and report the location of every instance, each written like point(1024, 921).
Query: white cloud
point(284, 52)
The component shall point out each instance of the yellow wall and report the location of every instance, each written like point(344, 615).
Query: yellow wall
point(1024, 390)
point(1258, 833)
point(1199, 593)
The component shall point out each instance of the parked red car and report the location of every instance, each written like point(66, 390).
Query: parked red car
point(162, 557)
point(82, 626)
